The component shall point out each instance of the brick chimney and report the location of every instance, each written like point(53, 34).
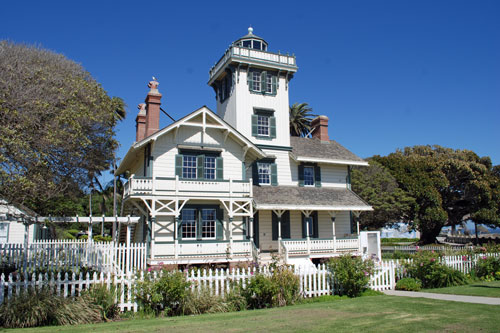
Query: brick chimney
point(140, 123)
point(153, 102)
point(320, 128)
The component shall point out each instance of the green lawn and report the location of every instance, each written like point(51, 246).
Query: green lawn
point(487, 289)
point(370, 313)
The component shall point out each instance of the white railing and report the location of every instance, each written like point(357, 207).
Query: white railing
point(212, 249)
point(416, 248)
point(73, 255)
point(243, 52)
point(301, 246)
point(176, 186)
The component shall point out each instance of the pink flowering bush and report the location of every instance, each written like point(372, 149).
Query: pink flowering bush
point(427, 268)
point(488, 268)
point(351, 274)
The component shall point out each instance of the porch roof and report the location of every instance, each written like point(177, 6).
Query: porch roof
point(310, 198)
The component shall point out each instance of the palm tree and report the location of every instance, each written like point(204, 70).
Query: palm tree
point(300, 119)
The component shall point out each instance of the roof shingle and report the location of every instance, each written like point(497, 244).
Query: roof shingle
point(315, 148)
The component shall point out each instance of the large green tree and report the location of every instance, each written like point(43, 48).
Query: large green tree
point(449, 186)
point(56, 125)
point(379, 188)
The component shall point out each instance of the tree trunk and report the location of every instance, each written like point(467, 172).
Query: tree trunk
point(428, 235)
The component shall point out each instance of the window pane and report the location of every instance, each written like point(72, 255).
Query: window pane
point(208, 223)
point(256, 81)
point(247, 43)
point(264, 170)
point(188, 223)
point(263, 125)
point(209, 167)
point(189, 166)
point(256, 45)
point(269, 83)
point(308, 176)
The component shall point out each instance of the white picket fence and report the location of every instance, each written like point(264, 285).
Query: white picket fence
point(314, 282)
point(416, 248)
point(72, 255)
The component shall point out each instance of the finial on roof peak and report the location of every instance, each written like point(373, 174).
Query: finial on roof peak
point(250, 30)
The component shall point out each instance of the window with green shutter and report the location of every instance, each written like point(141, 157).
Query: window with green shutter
point(264, 124)
point(309, 175)
point(199, 165)
point(265, 172)
point(262, 82)
point(201, 222)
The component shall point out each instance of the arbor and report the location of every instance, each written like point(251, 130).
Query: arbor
point(56, 125)
point(449, 186)
point(300, 119)
point(377, 186)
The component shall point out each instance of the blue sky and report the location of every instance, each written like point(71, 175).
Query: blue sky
point(388, 74)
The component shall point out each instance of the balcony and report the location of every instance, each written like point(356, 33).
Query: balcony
point(238, 54)
point(163, 186)
point(320, 247)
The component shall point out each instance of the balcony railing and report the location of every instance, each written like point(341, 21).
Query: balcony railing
point(237, 52)
point(182, 187)
point(315, 246)
point(215, 249)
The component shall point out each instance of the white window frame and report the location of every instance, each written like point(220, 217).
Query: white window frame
point(209, 161)
point(212, 225)
point(185, 166)
point(184, 226)
point(264, 167)
point(263, 125)
point(307, 167)
point(256, 84)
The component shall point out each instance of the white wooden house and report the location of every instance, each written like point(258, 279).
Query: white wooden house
point(11, 230)
point(233, 185)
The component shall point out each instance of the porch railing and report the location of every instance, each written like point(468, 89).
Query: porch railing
point(315, 245)
point(184, 187)
point(194, 249)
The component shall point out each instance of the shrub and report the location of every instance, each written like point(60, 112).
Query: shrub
point(351, 274)
point(433, 274)
point(280, 288)
point(105, 299)
point(488, 268)
point(409, 284)
point(260, 292)
point(235, 301)
point(203, 301)
point(31, 309)
point(165, 294)
point(288, 286)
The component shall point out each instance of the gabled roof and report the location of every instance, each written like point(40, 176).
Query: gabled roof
point(313, 198)
point(315, 150)
point(202, 118)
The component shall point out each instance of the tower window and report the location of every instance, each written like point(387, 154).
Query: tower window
point(255, 81)
point(263, 125)
point(262, 82)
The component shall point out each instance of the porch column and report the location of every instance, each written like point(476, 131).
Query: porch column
point(279, 233)
point(333, 216)
point(250, 228)
point(152, 231)
point(230, 226)
point(307, 213)
point(26, 240)
point(89, 238)
point(176, 228)
point(356, 217)
point(129, 227)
